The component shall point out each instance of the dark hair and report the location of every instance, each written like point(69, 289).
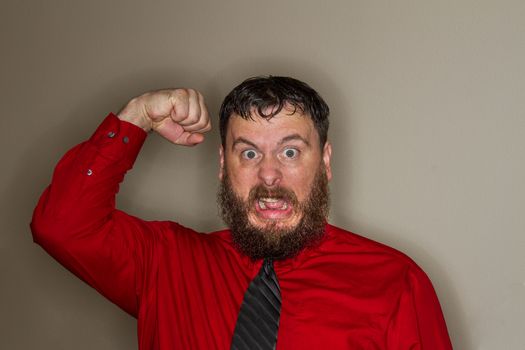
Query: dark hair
point(262, 92)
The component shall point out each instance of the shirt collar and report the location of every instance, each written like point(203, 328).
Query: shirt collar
point(287, 265)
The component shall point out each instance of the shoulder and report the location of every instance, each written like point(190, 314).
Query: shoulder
point(342, 241)
point(355, 263)
point(389, 280)
point(357, 251)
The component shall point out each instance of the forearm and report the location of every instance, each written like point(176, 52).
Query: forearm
point(86, 180)
point(76, 221)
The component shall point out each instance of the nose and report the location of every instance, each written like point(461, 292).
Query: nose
point(270, 172)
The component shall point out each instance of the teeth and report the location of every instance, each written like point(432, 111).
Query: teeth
point(269, 200)
point(263, 201)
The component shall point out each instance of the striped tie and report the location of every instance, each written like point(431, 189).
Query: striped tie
point(258, 320)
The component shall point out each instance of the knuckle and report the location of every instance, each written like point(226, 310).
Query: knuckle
point(207, 126)
point(193, 116)
point(181, 93)
point(199, 125)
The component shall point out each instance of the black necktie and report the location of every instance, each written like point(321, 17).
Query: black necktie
point(258, 320)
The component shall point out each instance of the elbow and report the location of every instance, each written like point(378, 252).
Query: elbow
point(42, 228)
point(46, 228)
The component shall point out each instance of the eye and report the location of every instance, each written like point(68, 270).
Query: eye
point(249, 154)
point(291, 153)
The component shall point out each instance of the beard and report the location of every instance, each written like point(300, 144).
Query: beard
point(273, 241)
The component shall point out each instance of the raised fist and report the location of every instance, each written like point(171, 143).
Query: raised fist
point(179, 115)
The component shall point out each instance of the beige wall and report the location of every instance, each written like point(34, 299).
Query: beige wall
point(428, 128)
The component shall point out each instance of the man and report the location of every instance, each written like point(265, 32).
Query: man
point(325, 288)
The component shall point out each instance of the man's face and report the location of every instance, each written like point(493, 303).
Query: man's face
point(272, 167)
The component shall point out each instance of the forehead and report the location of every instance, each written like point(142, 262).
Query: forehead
point(270, 130)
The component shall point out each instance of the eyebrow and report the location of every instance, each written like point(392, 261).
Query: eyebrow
point(294, 137)
point(240, 140)
point(291, 137)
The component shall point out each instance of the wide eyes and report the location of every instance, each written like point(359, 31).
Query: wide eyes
point(249, 154)
point(286, 154)
point(290, 153)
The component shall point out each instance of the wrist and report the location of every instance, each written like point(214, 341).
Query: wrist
point(138, 121)
point(133, 115)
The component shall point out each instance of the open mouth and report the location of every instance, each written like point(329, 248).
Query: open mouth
point(270, 208)
point(273, 203)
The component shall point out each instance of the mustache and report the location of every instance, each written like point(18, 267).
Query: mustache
point(279, 192)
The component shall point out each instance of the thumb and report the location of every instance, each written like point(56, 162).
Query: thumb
point(195, 138)
point(189, 139)
point(169, 130)
point(176, 134)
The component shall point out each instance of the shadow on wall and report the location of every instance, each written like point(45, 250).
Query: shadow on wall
point(34, 171)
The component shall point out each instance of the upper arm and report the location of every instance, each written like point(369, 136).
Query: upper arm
point(417, 321)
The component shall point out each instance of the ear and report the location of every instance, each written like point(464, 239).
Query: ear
point(327, 155)
point(221, 163)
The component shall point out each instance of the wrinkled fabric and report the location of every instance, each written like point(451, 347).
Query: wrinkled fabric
point(185, 288)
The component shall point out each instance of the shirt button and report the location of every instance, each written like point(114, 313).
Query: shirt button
point(89, 172)
point(125, 139)
point(111, 134)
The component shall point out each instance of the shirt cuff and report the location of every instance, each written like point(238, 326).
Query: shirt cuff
point(118, 140)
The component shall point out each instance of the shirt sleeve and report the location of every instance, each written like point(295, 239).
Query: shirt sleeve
point(418, 321)
point(76, 221)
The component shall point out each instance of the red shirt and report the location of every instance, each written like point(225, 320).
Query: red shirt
point(185, 288)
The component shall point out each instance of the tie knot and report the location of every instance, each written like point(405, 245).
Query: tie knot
point(268, 266)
